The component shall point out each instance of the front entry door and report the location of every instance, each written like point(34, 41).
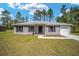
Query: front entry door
point(40, 30)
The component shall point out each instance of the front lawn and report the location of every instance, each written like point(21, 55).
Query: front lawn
point(75, 34)
point(11, 44)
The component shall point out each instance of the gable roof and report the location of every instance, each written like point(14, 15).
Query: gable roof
point(41, 23)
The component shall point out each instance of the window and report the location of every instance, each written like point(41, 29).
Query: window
point(19, 28)
point(52, 29)
point(30, 28)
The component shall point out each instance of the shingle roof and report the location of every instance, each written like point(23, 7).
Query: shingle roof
point(41, 23)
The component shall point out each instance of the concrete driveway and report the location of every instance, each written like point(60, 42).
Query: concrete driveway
point(75, 37)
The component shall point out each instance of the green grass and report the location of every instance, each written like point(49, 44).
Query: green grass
point(11, 44)
point(75, 34)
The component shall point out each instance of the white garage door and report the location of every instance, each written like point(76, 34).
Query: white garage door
point(65, 30)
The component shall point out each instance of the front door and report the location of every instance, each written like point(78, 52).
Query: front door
point(40, 30)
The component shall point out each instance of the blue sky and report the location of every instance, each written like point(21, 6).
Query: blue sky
point(27, 9)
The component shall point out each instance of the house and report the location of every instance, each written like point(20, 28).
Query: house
point(42, 27)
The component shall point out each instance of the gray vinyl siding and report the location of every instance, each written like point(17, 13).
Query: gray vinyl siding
point(57, 31)
point(25, 31)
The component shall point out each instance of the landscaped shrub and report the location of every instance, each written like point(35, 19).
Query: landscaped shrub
point(2, 28)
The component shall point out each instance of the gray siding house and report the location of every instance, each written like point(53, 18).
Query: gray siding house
point(42, 27)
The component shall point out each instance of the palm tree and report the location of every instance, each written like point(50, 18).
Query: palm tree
point(50, 14)
point(44, 13)
point(63, 9)
point(23, 19)
point(37, 15)
point(64, 16)
point(26, 19)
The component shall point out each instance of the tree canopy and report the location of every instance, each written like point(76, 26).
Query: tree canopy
point(43, 15)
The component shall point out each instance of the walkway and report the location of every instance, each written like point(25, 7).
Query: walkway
point(75, 37)
point(42, 37)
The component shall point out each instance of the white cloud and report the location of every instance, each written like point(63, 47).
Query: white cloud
point(42, 6)
point(1, 10)
point(11, 15)
point(13, 5)
point(31, 7)
point(68, 10)
point(31, 12)
point(60, 14)
point(75, 3)
point(0, 16)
